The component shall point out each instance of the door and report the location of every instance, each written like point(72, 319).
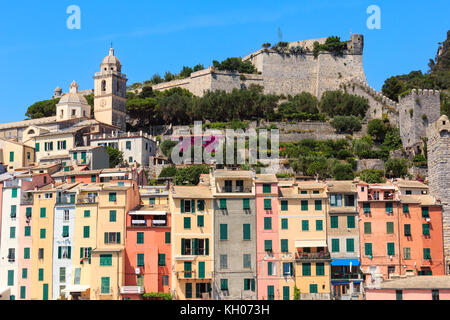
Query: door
point(286, 293)
point(45, 292)
point(270, 293)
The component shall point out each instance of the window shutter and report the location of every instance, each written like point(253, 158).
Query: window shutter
point(267, 204)
point(284, 245)
point(195, 246)
point(389, 227)
point(81, 253)
point(284, 205)
point(69, 254)
point(59, 252)
point(267, 223)
point(351, 222)
point(182, 248)
point(319, 225)
point(407, 228)
point(106, 237)
point(318, 205)
point(193, 206)
point(89, 254)
point(118, 237)
point(246, 204)
point(334, 222)
point(187, 223)
point(246, 231)
point(182, 206)
point(167, 237)
point(350, 245)
point(284, 223)
point(425, 212)
point(304, 205)
point(368, 249)
point(223, 232)
point(367, 227)
point(200, 221)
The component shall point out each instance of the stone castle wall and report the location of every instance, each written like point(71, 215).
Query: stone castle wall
point(439, 173)
point(416, 111)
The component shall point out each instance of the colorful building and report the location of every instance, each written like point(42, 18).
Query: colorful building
point(267, 235)
point(235, 235)
point(343, 239)
point(147, 251)
point(192, 242)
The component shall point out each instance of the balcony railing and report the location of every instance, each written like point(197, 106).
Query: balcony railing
point(345, 276)
point(132, 290)
point(228, 189)
point(148, 223)
point(65, 200)
point(87, 200)
point(11, 184)
point(312, 256)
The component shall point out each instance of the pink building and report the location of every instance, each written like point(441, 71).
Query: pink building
point(412, 288)
point(268, 264)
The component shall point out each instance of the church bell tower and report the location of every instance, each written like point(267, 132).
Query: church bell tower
point(110, 92)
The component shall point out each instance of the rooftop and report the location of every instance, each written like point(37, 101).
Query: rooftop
point(266, 178)
point(341, 186)
point(401, 183)
point(424, 200)
point(194, 192)
point(222, 173)
point(418, 282)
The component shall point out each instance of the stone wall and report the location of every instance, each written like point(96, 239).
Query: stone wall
point(416, 111)
point(364, 164)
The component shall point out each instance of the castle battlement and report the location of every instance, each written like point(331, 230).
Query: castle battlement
point(421, 92)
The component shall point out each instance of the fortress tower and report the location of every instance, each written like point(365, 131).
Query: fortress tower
point(416, 111)
point(110, 92)
point(439, 174)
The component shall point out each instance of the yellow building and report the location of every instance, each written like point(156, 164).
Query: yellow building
point(107, 264)
point(154, 195)
point(42, 237)
point(302, 214)
point(192, 245)
point(15, 154)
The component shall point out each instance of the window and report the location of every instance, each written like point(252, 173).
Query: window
point(223, 204)
point(305, 225)
point(64, 252)
point(140, 259)
point(389, 227)
point(223, 261)
point(247, 260)
point(407, 229)
point(201, 205)
point(10, 277)
point(11, 156)
point(161, 259)
point(28, 212)
point(140, 238)
point(334, 221)
point(287, 269)
point(304, 205)
point(112, 197)
point(270, 293)
point(267, 223)
point(425, 212)
point(106, 260)
point(165, 280)
point(167, 236)
point(366, 207)
point(426, 229)
point(398, 295)
point(246, 231)
point(62, 274)
point(26, 253)
point(13, 211)
point(14, 193)
point(41, 253)
point(426, 254)
point(306, 269)
point(66, 215)
point(188, 290)
point(405, 208)
point(351, 222)
point(389, 208)
point(267, 204)
point(23, 292)
point(368, 249)
point(336, 200)
point(313, 288)
point(349, 200)
point(105, 285)
point(223, 284)
point(304, 192)
point(367, 227)
point(112, 237)
point(266, 188)
point(188, 269)
point(268, 245)
point(87, 213)
point(187, 223)
point(11, 255)
point(390, 249)
point(12, 232)
point(42, 212)
point(408, 192)
point(284, 205)
point(434, 294)
point(320, 269)
point(319, 225)
point(37, 147)
point(350, 245)
point(284, 223)
point(406, 253)
point(246, 204)
point(112, 215)
point(42, 234)
point(286, 294)
point(334, 245)
point(65, 232)
point(318, 205)
point(284, 245)
point(223, 232)
point(41, 274)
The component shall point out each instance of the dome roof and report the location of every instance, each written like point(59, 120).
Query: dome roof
point(111, 58)
point(73, 96)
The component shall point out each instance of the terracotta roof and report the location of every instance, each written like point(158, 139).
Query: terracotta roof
point(291, 193)
point(76, 173)
point(310, 185)
point(266, 178)
point(233, 174)
point(193, 192)
point(341, 186)
point(342, 210)
point(26, 123)
point(424, 200)
point(410, 184)
point(56, 157)
point(418, 282)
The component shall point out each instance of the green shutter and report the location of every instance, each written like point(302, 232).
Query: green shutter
point(188, 291)
point(182, 206)
point(23, 292)
point(334, 245)
point(37, 147)
point(407, 229)
point(405, 208)
point(223, 204)
point(12, 232)
point(183, 250)
point(201, 205)
point(193, 206)
point(26, 253)
point(320, 269)
point(425, 212)
point(42, 212)
point(389, 227)
point(426, 229)
point(334, 222)
point(270, 293)
point(28, 212)
point(13, 211)
point(318, 205)
point(140, 259)
point(391, 249)
point(284, 245)
point(105, 285)
point(284, 223)
point(42, 234)
point(167, 237)
point(187, 269)
point(140, 238)
point(75, 156)
point(351, 222)
point(246, 204)
point(27, 231)
point(201, 270)
point(41, 275)
point(112, 216)
point(118, 237)
point(87, 213)
point(367, 227)
point(112, 197)
point(11, 156)
point(313, 288)
point(389, 208)
point(305, 225)
point(266, 188)
point(187, 223)
point(223, 232)
point(286, 295)
point(284, 205)
point(304, 204)
point(10, 277)
point(267, 223)
point(200, 221)
point(45, 291)
point(223, 284)
point(319, 225)
point(14, 193)
point(59, 252)
point(426, 254)
point(366, 207)
point(207, 247)
point(267, 204)
point(306, 269)
point(246, 232)
point(65, 231)
point(93, 178)
point(368, 249)
point(350, 245)
point(268, 245)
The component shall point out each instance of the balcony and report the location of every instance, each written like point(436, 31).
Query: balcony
point(300, 256)
point(65, 200)
point(148, 223)
point(26, 199)
point(11, 184)
point(132, 290)
point(87, 200)
point(345, 276)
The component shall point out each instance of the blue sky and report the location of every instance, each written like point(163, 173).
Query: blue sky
point(38, 52)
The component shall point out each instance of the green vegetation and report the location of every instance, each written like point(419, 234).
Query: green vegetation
point(285, 175)
point(42, 109)
point(396, 168)
point(168, 172)
point(158, 295)
point(166, 148)
point(372, 176)
point(115, 157)
point(346, 124)
point(190, 175)
point(333, 44)
point(343, 171)
point(339, 103)
point(419, 160)
point(235, 64)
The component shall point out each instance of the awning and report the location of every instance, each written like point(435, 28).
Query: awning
point(310, 243)
point(75, 288)
point(147, 213)
point(344, 262)
point(113, 175)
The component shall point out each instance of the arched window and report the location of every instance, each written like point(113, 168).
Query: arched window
point(31, 131)
point(103, 85)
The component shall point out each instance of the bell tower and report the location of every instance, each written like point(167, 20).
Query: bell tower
point(110, 92)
